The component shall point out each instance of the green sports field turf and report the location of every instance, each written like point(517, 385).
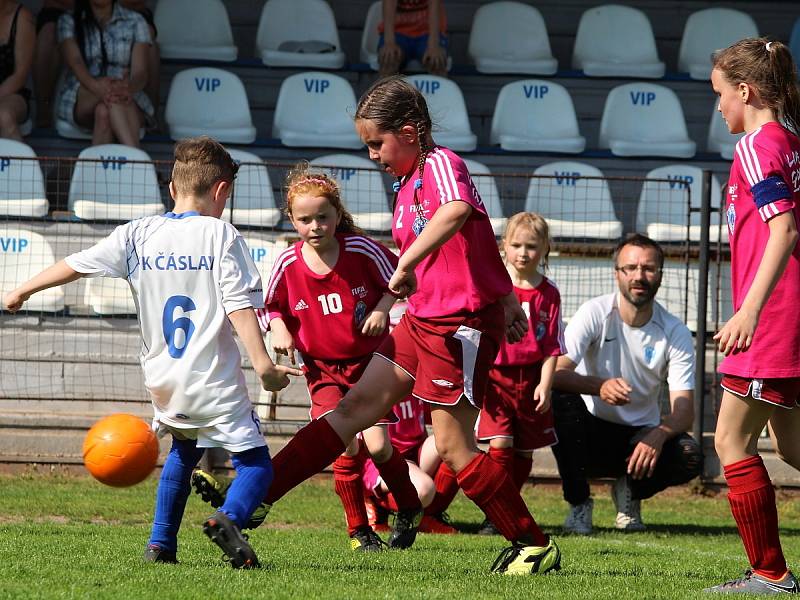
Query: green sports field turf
point(70, 537)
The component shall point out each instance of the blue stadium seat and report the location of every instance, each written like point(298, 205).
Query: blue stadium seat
point(299, 33)
point(487, 189)
point(253, 202)
point(662, 212)
point(510, 37)
point(720, 139)
point(536, 115)
point(114, 182)
point(24, 254)
point(314, 110)
point(644, 119)
point(616, 41)
point(194, 29)
point(209, 101)
point(574, 206)
point(22, 191)
point(448, 112)
point(362, 187)
point(708, 30)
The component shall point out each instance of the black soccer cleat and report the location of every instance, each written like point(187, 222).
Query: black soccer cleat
point(156, 554)
point(364, 539)
point(221, 530)
point(405, 527)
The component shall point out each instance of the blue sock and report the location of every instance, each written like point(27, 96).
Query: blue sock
point(173, 491)
point(248, 489)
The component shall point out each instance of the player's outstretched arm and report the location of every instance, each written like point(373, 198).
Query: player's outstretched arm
point(57, 274)
point(273, 377)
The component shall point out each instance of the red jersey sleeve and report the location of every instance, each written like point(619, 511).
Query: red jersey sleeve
point(769, 175)
point(553, 342)
point(275, 293)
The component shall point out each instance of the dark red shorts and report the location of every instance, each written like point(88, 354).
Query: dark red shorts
point(448, 357)
point(784, 391)
point(328, 382)
point(508, 409)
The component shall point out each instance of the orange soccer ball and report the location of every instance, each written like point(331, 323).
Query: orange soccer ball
point(120, 450)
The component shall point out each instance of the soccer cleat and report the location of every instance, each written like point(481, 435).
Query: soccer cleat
point(753, 583)
point(377, 516)
point(487, 528)
point(528, 560)
point(213, 491)
point(436, 524)
point(221, 530)
point(629, 511)
point(404, 530)
point(579, 519)
point(364, 539)
point(156, 554)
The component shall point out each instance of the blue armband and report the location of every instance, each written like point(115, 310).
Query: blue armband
point(769, 190)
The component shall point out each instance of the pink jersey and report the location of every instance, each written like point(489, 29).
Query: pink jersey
point(466, 273)
point(324, 313)
point(545, 335)
point(765, 182)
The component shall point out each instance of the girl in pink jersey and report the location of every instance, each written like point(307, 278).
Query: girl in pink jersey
point(516, 417)
point(328, 297)
point(460, 304)
point(756, 82)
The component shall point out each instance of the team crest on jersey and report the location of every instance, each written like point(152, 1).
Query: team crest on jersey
point(419, 223)
point(540, 330)
point(731, 214)
point(649, 351)
point(360, 313)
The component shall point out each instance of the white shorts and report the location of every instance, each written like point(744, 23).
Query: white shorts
point(235, 436)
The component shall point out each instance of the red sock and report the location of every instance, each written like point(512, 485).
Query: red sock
point(446, 489)
point(312, 449)
point(503, 457)
point(488, 485)
point(350, 489)
point(752, 500)
point(522, 469)
point(394, 473)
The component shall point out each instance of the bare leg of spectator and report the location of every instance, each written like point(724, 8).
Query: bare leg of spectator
point(12, 113)
point(46, 69)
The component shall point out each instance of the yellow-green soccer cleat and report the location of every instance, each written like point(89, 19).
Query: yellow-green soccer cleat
point(528, 560)
point(213, 490)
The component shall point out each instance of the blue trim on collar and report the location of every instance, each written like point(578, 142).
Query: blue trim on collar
point(188, 213)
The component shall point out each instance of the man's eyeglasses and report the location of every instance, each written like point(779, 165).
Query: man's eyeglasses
point(647, 270)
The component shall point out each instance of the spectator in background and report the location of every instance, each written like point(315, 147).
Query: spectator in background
point(16, 55)
point(412, 30)
point(47, 61)
point(621, 349)
point(105, 47)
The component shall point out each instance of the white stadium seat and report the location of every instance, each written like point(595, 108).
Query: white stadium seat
point(194, 29)
point(487, 190)
point(110, 183)
point(264, 253)
point(109, 296)
point(314, 110)
point(362, 189)
point(536, 115)
point(369, 41)
point(580, 278)
point(575, 207)
point(24, 254)
point(720, 139)
point(616, 41)
point(644, 119)
point(663, 206)
point(22, 191)
point(299, 33)
point(209, 101)
point(448, 112)
point(708, 30)
point(252, 202)
point(510, 37)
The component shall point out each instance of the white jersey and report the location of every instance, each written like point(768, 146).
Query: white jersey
point(186, 273)
point(660, 351)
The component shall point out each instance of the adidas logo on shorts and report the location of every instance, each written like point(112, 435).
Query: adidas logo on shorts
point(301, 305)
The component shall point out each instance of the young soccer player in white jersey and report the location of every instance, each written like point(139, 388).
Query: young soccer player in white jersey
point(756, 82)
point(516, 417)
point(460, 306)
point(192, 277)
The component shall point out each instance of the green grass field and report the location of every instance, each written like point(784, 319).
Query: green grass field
point(70, 537)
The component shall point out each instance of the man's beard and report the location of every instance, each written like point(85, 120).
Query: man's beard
point(639, 301)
